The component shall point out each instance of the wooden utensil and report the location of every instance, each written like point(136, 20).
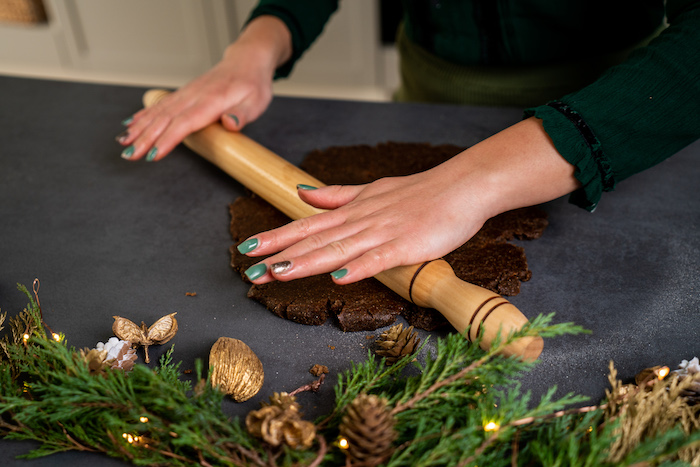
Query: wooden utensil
point(432, 284)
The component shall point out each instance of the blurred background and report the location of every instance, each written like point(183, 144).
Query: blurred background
point(166, 43)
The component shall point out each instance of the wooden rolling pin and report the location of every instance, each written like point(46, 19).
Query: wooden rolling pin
point(432, 284)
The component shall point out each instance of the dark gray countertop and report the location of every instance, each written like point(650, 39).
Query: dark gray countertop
point(111, 237)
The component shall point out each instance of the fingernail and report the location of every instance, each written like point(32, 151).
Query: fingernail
point(339, 274)
point(306, 187)
point(121, 137)
point(126, 121)
point(128, 152)
point(248, 246)
point(281, 267)
point(234, 118)
point(151, 154)
point(256, 271)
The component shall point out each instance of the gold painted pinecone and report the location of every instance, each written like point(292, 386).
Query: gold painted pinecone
point(280, 422)
point(368, 427)
point(396, 343)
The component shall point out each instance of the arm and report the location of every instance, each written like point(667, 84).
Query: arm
point(637, 114)
point(239, 88)
point(634, 116)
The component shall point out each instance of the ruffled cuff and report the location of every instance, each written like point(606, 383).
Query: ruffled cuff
point(577, 143)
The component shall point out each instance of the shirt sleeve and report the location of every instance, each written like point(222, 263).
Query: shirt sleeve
point(637, 114)
point(305, 20)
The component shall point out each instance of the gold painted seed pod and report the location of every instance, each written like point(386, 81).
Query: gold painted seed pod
point(237, 370)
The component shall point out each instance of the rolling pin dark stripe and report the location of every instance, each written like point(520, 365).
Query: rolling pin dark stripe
point(471, 321)
point(413, 279)
point(505, 302)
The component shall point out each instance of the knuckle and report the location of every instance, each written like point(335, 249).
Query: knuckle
point(381, 257)
point(339, 248)
point(315, 242)
point(303, 226)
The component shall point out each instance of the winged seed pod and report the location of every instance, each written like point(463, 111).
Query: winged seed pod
point(160, 332)
point(237, 370)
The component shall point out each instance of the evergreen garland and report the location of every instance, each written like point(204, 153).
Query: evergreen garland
point(462, 407)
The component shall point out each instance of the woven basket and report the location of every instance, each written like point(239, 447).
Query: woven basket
point(23, 11)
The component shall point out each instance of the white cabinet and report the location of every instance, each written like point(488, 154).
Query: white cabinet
point(129, 41)
point(169, 42)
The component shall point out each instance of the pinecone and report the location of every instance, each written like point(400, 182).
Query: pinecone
point(396, 343)
point(368, 428)
point(280, 422)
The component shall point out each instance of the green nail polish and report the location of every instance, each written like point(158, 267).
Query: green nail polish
point(256, 271)
point(126, 121)
point(128, 152)
point(248, 246)
point(151, 154)
point(306, 187)
point(234, 118)
point(339, 274)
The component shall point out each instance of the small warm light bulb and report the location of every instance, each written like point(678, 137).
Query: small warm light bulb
point(343, 443)
point(143, 419)
point(590, 429)
point(491, 426)
point(124, 435)
point(56, 337)
point(25, 337)
point(663, 372)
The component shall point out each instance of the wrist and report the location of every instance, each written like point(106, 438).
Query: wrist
point(265, 42)
point(517, 167)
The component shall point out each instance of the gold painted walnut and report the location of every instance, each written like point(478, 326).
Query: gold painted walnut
point(237, 370)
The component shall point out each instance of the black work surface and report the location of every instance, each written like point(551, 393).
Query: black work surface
point(109, 237)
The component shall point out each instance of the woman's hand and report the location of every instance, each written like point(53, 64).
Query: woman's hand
point(236, 91)
point(370, 228)
point(408, 220)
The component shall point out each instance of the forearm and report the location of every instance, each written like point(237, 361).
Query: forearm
point(635, 115)
point(516, 167)
point(265, 40)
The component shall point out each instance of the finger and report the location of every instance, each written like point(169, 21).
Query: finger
point(249, 108)
point(143, 143)
point(347, 260)
point(166, 131)
point(329, 197)
point(174, 133)
point(259, 273)
point(296, 232)
point(369, 264)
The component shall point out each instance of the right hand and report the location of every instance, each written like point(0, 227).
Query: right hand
point(236, 91)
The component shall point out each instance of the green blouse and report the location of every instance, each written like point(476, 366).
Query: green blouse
point(632, 116)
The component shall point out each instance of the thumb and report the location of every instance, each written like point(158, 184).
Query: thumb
point(249, 109)
point(328, 197)
point(232, 121)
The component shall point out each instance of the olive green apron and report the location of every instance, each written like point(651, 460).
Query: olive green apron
point(427, 78)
